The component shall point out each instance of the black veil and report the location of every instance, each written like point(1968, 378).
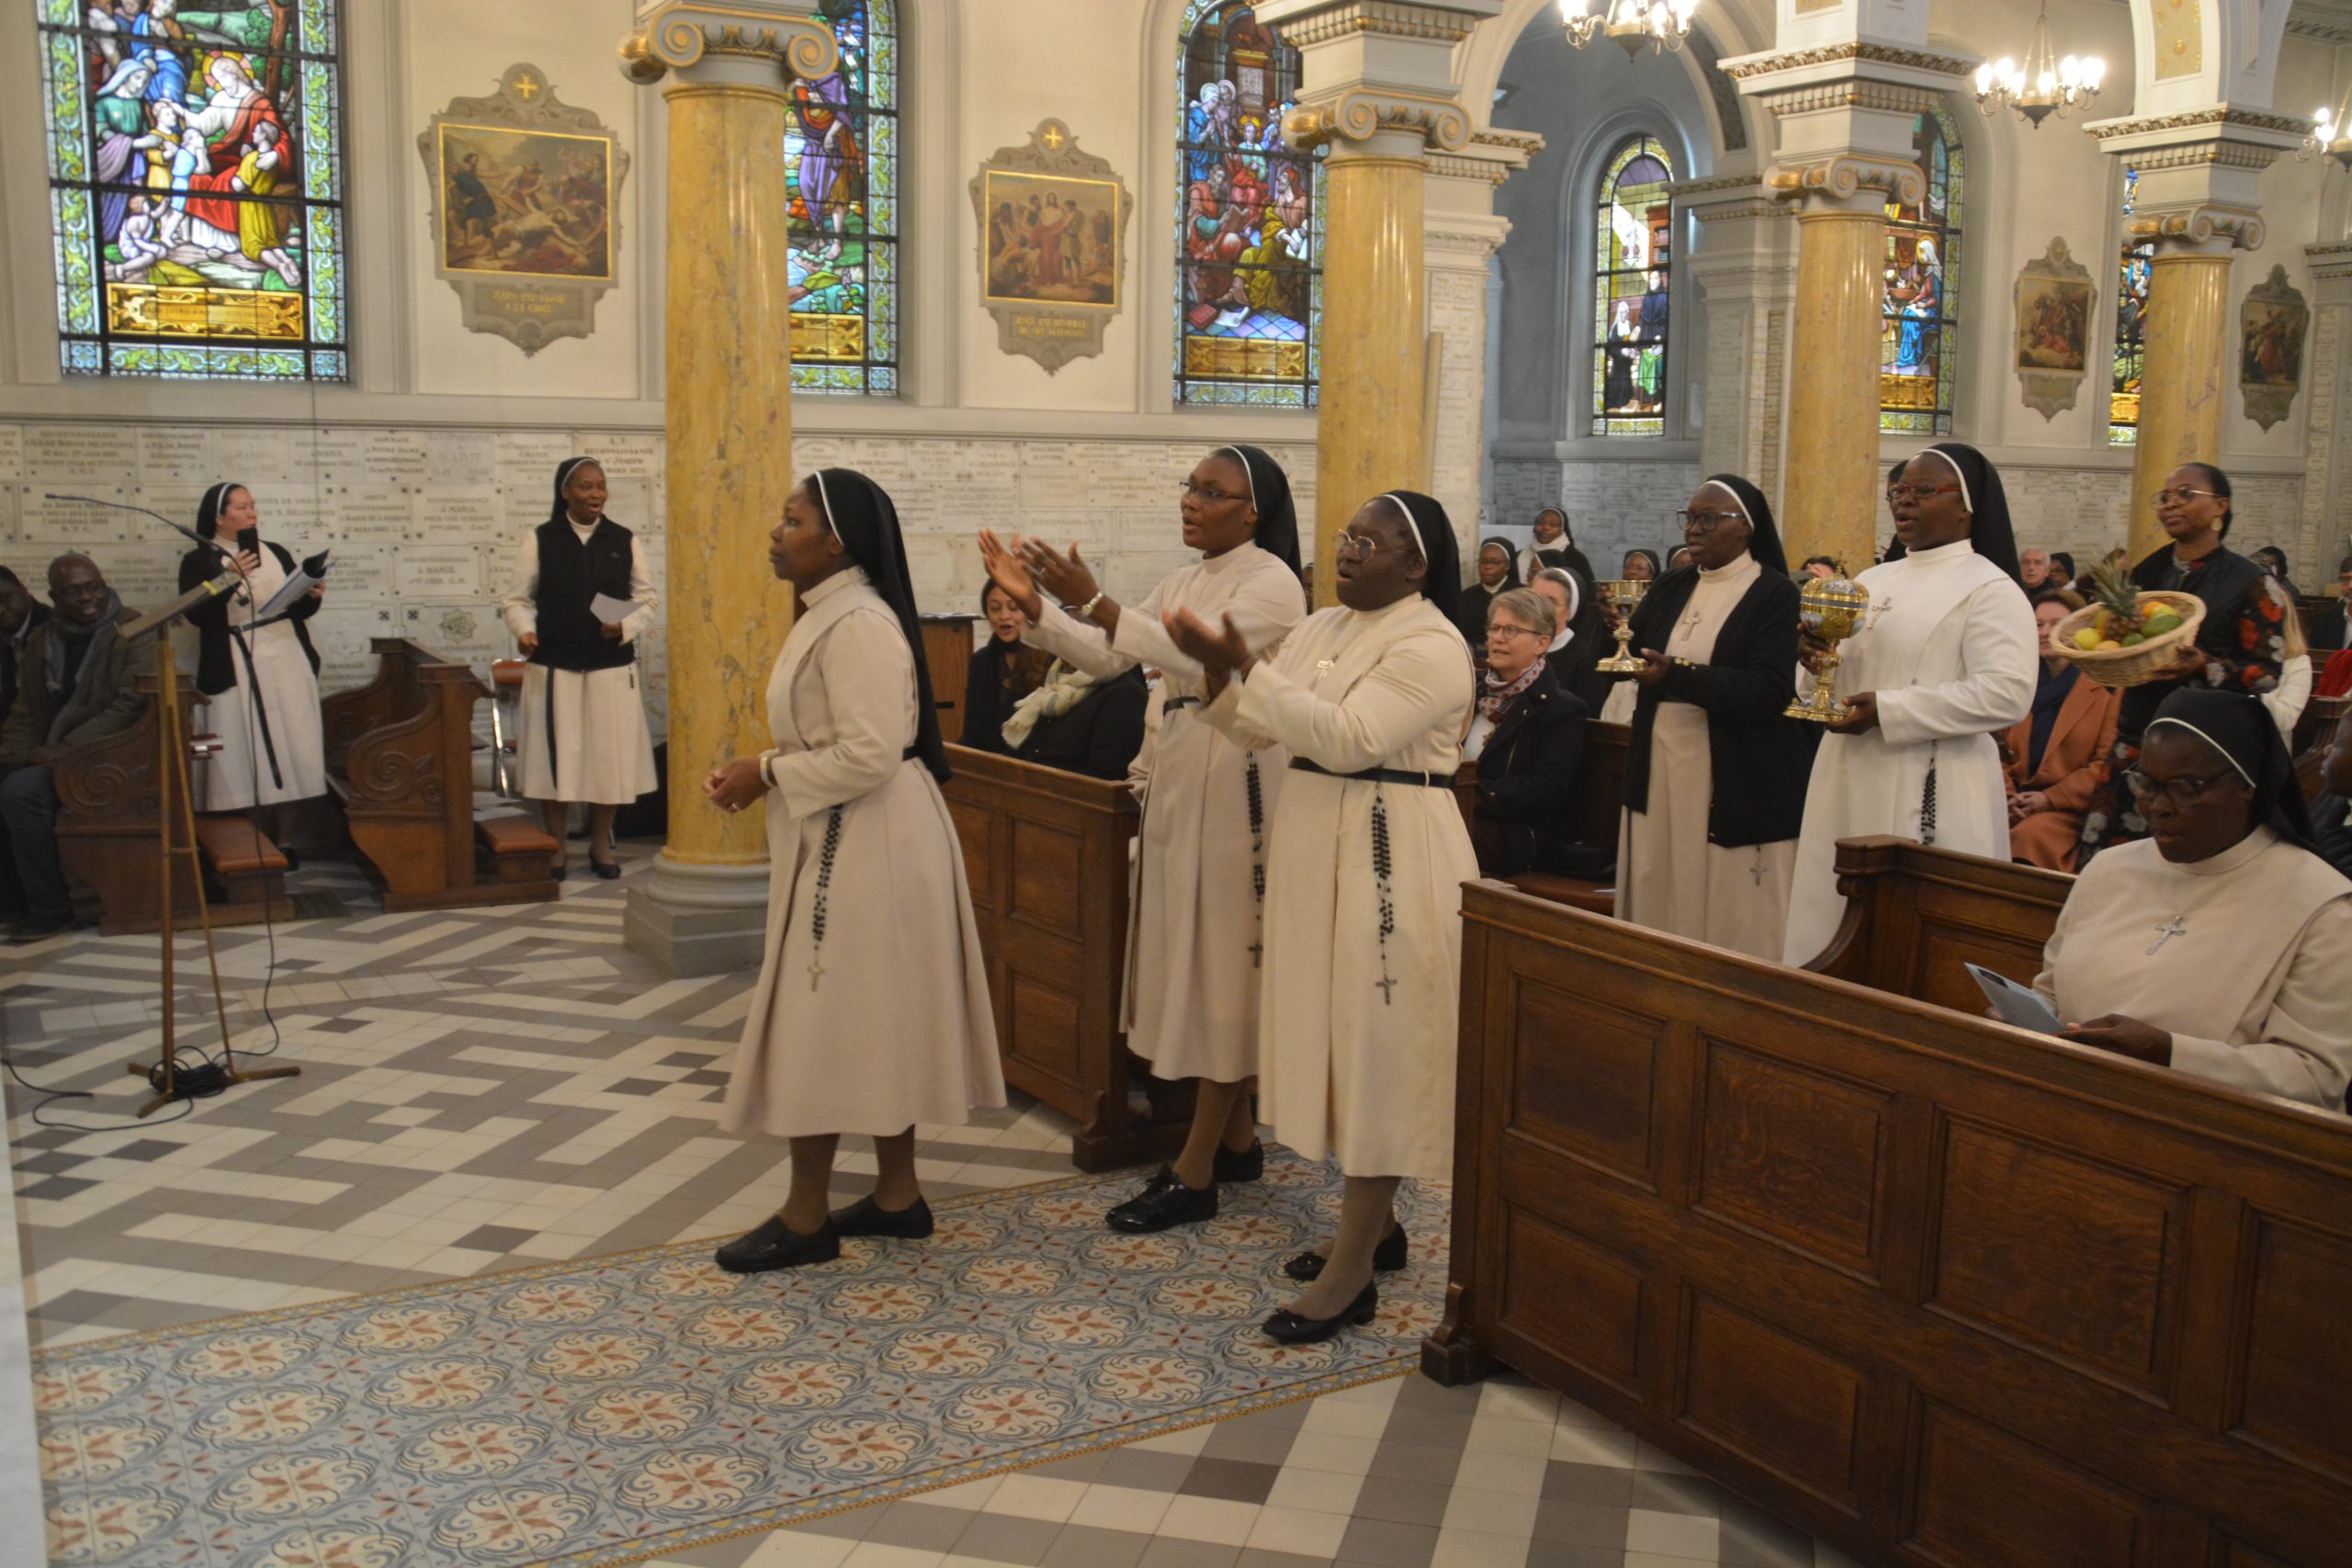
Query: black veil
point(2241, 729)
point(557, 511)
point(1990, 534)
point(1764, 542)
point(1426, 521)
point(1270, 493)
point(860, 516)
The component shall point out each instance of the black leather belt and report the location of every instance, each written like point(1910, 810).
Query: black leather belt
point(1380, 775)
point(910, 754)
point(1175, 704)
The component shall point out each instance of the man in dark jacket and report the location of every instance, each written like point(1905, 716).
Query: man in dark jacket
point(76, 682)
point(2327, 632)
point(19, 614)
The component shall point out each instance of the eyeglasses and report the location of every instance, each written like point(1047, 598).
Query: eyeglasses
point(2180, 792)
point(1509, 633)
point(1210, 494)
point(1918, 493)
point(1353, 547)
point(1706, 522)
point(2184, 496)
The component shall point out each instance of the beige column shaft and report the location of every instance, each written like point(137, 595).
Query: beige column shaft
point(1368, 435)
point(1833, 492)
point(729, 433)
point(2183, 381)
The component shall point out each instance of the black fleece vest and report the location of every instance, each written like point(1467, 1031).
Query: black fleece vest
point(571, 575)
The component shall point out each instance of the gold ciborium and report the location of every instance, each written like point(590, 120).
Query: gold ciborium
point(1833, 610)
point(1623, 594)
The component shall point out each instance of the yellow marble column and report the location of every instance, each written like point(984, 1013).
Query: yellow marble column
point(1832, 495)
point(2184, 380)
point(728, 459)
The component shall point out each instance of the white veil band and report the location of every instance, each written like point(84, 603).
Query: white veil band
point(2233, 761)
point(1243, 459)
point(1966, 502)
point(1410, 522)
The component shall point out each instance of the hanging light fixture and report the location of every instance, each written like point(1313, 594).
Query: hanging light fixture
point(2044, 84)
point(2328, 137)
point(1661, 24)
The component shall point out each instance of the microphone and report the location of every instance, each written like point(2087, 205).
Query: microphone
point(122, 507)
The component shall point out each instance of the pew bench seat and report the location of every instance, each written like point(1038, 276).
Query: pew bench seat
point(520, 848)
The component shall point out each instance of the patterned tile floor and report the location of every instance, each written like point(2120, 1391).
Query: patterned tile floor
point(492, 1090)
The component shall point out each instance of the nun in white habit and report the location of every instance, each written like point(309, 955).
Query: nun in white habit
point(1193, 938)
point(872, 1009)
point(1946, 661)
point(1361, 1002)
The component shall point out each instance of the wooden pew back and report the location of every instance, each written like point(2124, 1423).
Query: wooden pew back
point(1938, 1290)
point(1598, 802)
point(1914, 915)
point(947, 652)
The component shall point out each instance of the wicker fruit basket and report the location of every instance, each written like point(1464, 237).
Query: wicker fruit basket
point(2119, 666)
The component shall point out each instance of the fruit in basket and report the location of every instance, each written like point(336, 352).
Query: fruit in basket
point(2118, 598)
point(2161, 621)
point(2088, 638)
point(2109, 645)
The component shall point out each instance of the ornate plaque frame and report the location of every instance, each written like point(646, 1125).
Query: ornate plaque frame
point(2273, 323)
point(2051, 346)
point(566, 254)
point(1052, 328)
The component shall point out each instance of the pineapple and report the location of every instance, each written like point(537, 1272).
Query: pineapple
point(2119, 620)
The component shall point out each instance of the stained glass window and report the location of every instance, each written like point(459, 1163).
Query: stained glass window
point(1919, 346)
point(1632, 256)
point(2131, 326)
point(1248, 220)
point(196, 188)
point(840, 163)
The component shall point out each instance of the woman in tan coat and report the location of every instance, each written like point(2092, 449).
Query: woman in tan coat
point(2055, 755)
point(872, 1009)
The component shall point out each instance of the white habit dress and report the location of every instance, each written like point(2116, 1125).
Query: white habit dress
point(2244, 958)
point(1189, 1000)
point(1360, 1023)
point(1952, 650)
point(872, 1009)
point(604, 749)
point(1669, 877)
point(239, 775)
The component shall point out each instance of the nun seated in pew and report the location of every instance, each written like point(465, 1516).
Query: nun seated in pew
point(2221, 943)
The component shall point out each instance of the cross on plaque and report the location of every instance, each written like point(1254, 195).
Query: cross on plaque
point(2166, 931)
point(525, 88)
point(1053, 139)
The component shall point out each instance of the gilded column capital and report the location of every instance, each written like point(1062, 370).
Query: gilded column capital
point(743, 43)
point(2199, 172)
point(1358, 114)
point(1849, 180)
point(2205, 225)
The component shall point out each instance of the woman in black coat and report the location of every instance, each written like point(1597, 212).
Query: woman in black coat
point(1498, 573)
point(1526, 738)
point(1003, 670)
point(1715, 776)
point(1099, 735)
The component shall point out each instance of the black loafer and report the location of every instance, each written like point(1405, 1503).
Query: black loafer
point(865, 1217)
point(1165, 1201)
point(610, 870)
point(776, 1245)
point(558, 872)
point(1387, 1258)
point(1287, 1327)
point(1247, 1164)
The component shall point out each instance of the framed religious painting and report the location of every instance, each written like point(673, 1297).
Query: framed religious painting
point(526, 209)
point(1053, 228)
point(2053, 323)
point(2272, 323)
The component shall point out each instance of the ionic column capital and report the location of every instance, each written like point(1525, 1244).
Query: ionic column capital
point(1358, 115)
point(2199, 172)
point(1852, 182)
point(751, 43)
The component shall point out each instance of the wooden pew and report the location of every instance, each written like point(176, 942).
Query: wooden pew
point(1939, 1290)
point(1046, 853)
point(399, 760)
point(1599, 801)
point(948, 651)
point(1914, 915)
point(109, 793)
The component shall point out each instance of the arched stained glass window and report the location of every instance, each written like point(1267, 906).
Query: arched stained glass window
point(2131, 326)
point(196, 188)
point(1248, 220)
point(1633, 259)
point(1917, 360)
point(841, 170)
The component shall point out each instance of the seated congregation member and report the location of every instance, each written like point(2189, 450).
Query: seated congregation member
point(1822, 567)
point(2331, 819)
point(2244, 980)
point(2062, 569)
point(1554, 546)
point(1497, 574)
point(1527, 735)
point(1190, 1004)
point(1680, 558)
point(19, 614)
point(260, 684)
point(872, 1009)
point(2326, 632)
point(2033, 571)
point(2287, 699)
point(2273, 559)
point(1641, 566)
point(1003, 670)
point(584, 736)
point(1715, 776)
point(2054, 757)
point(1944, 662)
point(1581, 640)
point(78, 681)
point(2240, 645)
point(1363, 931)
point(1079, 724)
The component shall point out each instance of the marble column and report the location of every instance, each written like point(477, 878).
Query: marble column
point(2199, 201)
point(726, 73)
point(1377, 93)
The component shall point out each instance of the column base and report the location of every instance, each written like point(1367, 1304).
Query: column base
point(698, 919)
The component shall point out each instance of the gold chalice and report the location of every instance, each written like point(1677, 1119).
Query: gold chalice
point(1623, 594)
point(1833, 610)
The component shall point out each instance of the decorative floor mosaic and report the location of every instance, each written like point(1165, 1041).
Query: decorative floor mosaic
point(606, 1411)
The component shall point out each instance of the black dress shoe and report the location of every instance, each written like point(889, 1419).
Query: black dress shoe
point(865, 1217)
point(610, 870)
point(33, 930)
point(1164, 1202)
point(293, 860)
point(1287, 1327)
point(1387, 1258)
point(776, 1245)
point(1247, 1164)
point(557, 872)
